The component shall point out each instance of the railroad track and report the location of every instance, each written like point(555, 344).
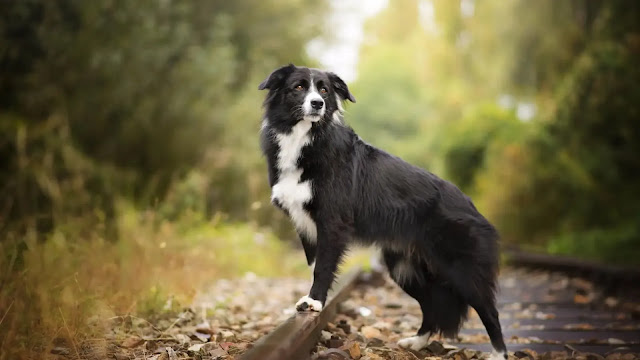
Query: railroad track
point(550, 308)
point(294, 338)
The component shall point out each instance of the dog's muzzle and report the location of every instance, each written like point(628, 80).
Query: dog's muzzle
point(314, 107)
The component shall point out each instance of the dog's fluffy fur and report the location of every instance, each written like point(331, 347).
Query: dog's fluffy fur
point(338, 189)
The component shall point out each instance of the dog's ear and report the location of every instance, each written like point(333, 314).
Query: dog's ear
point(276, 78)
point(341, 88)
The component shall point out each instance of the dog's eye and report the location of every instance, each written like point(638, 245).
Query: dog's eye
point(323, 90)
point(299, 87)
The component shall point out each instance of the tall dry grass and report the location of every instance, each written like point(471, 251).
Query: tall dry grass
point(57, 291)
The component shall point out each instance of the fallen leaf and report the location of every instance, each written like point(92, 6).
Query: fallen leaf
point(582, 284)
point(373, 356)
point(335, 342)
point(370, 332)
point(226, 345)
point(382, 325)
point(133, 341)
point(172, 354)
point(436, 348)
point(353, 348)
point(182, 339)
point(544, 316)
point(611, 301)
point(151, 345)
point(196, 347)
point(226, 334)
point(615, 341)
point(526, 353)
point(58, 350)
point(582, 326)
point(216, 353)
point(375, 342)
point(204, 337)
point(581, 299)
point(476, 338)
point(204, 327)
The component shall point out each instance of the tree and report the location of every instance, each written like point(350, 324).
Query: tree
point(138, 90)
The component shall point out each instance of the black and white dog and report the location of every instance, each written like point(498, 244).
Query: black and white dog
point(338, 189)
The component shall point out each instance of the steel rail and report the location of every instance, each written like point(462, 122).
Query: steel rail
point(572, 266)
point(294, 339)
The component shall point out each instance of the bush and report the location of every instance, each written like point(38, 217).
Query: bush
point(467, 141)
point(572, 185)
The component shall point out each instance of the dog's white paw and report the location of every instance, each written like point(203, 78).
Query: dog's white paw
point(414, 343)
point(308, 304)
point(498, 355)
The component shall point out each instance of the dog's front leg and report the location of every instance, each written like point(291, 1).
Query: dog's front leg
point(309, 248)
point(330, 248)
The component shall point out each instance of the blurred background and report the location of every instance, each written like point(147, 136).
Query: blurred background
point(130, 169)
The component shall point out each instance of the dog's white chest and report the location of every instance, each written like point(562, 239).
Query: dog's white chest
point(289, 192)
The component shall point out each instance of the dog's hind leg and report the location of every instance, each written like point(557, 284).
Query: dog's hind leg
point(426, 329)
point(415, 290)
point(475, 284)
point(403, 273)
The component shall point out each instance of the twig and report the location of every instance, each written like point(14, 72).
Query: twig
point(144, 338)
point(170, 326)
point(6, 312)
point(69, 333)
point(139, 318)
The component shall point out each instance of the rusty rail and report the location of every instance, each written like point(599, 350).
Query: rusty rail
point(612, 274)
point(295, 338)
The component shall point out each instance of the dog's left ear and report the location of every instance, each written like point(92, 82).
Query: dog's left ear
point(341, 88)
point(277, 77)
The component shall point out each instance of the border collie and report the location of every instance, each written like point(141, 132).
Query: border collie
point(338, 189)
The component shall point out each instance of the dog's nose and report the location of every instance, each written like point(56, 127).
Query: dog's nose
point(317, 104)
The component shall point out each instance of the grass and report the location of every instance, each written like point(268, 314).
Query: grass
point(59, 287)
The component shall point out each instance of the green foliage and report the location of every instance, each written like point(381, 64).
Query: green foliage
point(143, 89)
point(152, 104)
point(598, 106)
point(466, 143)
point(617, 245)
point(588, 187)
point(564, 179)
point(392, 106)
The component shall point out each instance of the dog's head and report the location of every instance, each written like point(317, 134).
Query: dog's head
point(306, 94)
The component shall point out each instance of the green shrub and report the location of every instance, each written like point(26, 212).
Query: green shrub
point(467, 141)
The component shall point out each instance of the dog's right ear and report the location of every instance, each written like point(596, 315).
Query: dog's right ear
point(277, 77)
